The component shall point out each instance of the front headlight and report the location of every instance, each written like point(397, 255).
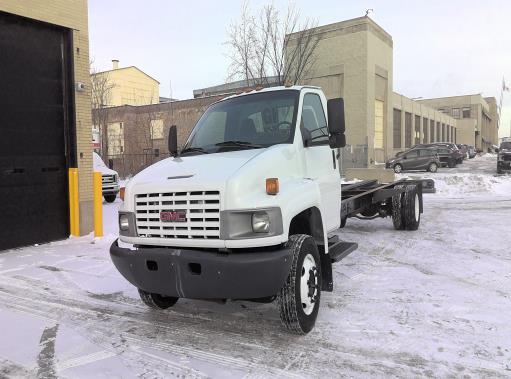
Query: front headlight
point(260, 222)
point(124, 222)
point(127, 226)
point(251, 223)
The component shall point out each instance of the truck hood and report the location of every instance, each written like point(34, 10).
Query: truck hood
point(194, 171)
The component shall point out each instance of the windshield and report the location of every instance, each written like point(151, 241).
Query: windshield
point(246, 122)
point(505, 145)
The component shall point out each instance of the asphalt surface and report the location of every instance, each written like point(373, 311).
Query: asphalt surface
point(428, 303)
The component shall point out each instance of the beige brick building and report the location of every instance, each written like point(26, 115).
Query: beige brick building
point(45, 38)
point(476, 117)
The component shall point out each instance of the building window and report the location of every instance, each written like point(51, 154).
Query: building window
point(443, 133)
point(426, 129)
point(397, 128)
point(408, 129)
point(378, 124)
point(157, 129)
point(115, 137)
point(432, 131)
point(438, 132)
point(156, 152)
point(456, 112)
point(417, 129)
point(466, 112)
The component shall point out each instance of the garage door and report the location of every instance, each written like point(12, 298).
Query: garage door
point(33, 132)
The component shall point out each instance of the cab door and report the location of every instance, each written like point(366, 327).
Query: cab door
point(320, 159)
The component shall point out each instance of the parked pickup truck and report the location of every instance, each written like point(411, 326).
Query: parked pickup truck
point(247, 209)
point(109, 179)
point(504, 157)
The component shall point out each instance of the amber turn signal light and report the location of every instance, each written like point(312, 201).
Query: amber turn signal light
point(121, 193)
point(272, 186)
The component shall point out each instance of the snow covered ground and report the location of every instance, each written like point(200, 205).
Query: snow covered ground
point(434, 302)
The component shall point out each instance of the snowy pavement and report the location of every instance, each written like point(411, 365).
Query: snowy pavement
point(434, 302)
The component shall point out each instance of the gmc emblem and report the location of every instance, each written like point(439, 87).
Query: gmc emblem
point(173, 216)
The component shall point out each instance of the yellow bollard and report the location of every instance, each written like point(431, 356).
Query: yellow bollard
point(98, 205)
point(74, 209)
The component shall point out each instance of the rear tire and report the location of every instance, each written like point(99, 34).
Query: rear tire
point(398, 168)
point(411, 208)
point(110, 198)
point(433, 167)
point(299, 298)
point(156, 301)
point(397, 206)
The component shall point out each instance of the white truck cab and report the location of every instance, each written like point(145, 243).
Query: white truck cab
point(244, 210)
point(109, 178)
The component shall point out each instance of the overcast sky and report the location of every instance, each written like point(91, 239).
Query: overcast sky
point(441, 48)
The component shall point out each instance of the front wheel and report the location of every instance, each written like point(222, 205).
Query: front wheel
point(156, 301)
point(110, 198)
point(299, 298)
point(451, 163)
point(398, 168)
point(433, 167)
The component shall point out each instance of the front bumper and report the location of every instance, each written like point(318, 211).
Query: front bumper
point(200, 274)
point(110, 189)
point(504, 165)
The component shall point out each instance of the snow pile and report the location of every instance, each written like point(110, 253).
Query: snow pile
point(471, 184)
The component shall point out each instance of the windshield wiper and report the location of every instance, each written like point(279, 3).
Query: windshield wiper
point(194, 150)
point(238, 143)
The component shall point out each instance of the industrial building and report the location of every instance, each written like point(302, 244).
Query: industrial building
point(354, 60)
point(476, 118)
point(45, 121)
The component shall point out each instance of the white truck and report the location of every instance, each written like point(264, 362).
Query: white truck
point(109, 179)
point(245, 211)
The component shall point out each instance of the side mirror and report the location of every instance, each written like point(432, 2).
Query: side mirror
point(337, 140)
point(336, 125)
point(336, 116)
point(173, 141)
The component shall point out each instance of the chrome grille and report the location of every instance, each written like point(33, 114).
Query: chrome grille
point(107, 179)
point(202, 214)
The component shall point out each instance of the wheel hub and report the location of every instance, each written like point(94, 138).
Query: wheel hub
point(309, 284)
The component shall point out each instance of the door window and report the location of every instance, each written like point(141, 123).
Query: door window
point(313, 124)
point(412, 154)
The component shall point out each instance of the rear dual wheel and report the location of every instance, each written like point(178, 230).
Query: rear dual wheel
point(406, 208)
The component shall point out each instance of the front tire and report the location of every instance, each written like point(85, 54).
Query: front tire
point(156, 301)
point(451, 163)
point(299, 298)
point(110, 198)
point(398, 168)
point(433, 167)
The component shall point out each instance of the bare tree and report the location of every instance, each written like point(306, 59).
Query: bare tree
point(101, 93)
point(271, 45)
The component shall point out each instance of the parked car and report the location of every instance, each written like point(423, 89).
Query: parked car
point(471, 152)
point(504, 157)
point(463, 149)
point(110, 179)
point(415, 159)
point(457, 153)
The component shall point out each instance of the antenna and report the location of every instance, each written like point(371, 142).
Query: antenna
point(370, 10)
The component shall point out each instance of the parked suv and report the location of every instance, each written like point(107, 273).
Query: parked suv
point(110, 179)
point(471, 152)
point(415, 159)
point(458, 155)
point(504, 157)
point(463, 149)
